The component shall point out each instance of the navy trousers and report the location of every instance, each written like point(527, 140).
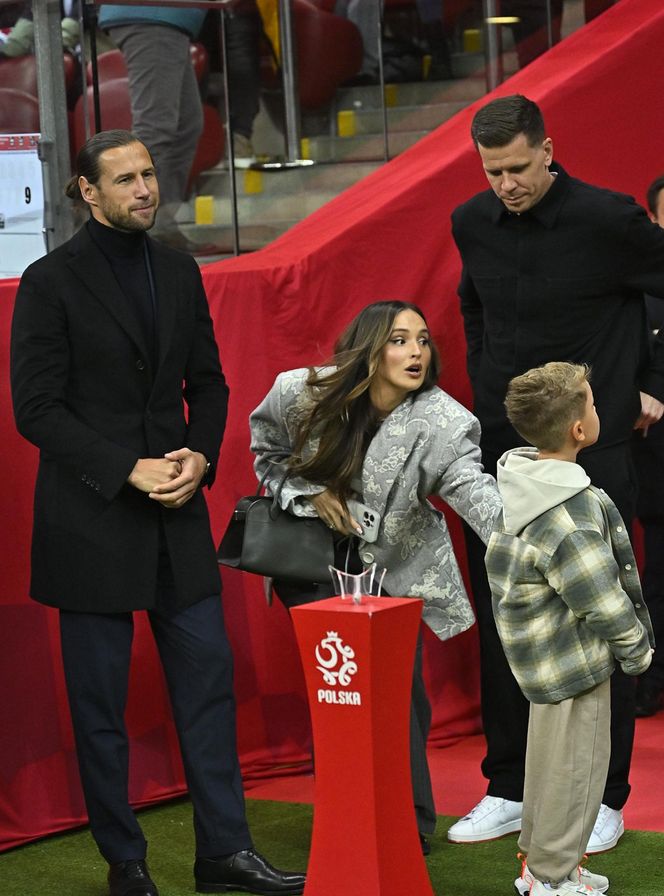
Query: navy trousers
point(197, 662)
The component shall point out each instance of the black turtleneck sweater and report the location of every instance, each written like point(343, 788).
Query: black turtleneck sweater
point(129, 258)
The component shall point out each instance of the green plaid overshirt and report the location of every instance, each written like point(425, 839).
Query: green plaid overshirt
point(567, 598)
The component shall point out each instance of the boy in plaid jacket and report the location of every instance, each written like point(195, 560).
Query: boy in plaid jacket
point(568, 605)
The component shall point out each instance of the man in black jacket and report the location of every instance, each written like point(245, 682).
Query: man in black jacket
point(648, 453)
point(111, 337)
point(553, 269)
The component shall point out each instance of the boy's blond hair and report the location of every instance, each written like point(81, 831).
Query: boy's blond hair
point(544, 402)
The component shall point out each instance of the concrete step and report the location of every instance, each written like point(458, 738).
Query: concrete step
point(220, 236)
point(415, 93)
point(271, 201)
point(267, 208)
point(251, 182)
point(362, 147)
point(351, 122)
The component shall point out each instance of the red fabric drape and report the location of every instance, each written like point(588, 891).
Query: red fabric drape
point(387, 237)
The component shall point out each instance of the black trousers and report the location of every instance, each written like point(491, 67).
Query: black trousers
point(504, 708)
point(197, 662)
point(653, 591)
point(293, 594)
point(244, 31)
point(531, 31)
point(648, 456)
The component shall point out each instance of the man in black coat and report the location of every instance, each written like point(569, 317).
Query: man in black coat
point(554, 269)
point(111, 338)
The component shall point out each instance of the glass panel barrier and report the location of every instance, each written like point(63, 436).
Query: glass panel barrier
point(435, 60)
point(321, 95)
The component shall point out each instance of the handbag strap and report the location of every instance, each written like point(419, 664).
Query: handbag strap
point(275, 508)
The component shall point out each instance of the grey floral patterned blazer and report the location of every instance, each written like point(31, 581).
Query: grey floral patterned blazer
point(428, 445)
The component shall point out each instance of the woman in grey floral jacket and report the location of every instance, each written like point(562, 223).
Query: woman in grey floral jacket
point(374, 426)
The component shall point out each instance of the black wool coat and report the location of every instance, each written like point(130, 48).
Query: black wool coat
point(86, 394)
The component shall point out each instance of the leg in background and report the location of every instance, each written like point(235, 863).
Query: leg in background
point(166, 105)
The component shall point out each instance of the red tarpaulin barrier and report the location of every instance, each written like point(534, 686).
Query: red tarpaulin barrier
point(387, 237)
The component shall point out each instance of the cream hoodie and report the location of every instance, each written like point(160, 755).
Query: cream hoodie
point(529, 486)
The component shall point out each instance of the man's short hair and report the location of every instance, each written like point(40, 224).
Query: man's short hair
point(544, 402)
point(502, 120)
point(652, 195)
point(87, 160)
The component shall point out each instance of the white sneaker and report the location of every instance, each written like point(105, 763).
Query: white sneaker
point(580, 876)
point(243, 151)
point(491, 818)
point(608, 829)
point(566, 888)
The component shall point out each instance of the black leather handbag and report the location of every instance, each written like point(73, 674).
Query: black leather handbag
point(266, 540)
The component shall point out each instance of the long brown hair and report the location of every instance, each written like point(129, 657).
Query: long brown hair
point(342, 416)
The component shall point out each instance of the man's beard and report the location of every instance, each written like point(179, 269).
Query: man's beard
point(124, 220)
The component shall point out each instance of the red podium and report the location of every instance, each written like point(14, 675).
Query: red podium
point(358, 666)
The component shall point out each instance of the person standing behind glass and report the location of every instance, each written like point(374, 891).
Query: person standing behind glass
point(166, 106)
point(373, 426)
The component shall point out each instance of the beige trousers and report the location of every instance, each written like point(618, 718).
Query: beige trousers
point(567, 760)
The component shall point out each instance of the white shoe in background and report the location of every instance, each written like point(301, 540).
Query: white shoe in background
point(491, 818)
point(243, 151)
point(608, 829)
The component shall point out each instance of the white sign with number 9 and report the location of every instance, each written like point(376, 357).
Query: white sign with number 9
point(21, 203)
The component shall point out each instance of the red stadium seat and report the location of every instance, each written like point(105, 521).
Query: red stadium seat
point(20, 72)
point(210, 149)
point(19, 112)
point(329, 52)
point(200, 60)
point(115, 110)
point(110, 66)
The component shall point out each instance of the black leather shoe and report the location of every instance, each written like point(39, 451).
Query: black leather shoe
point(131, 878)
point(248, 872)
point(426, 846)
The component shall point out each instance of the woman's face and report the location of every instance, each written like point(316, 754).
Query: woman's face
point(404, 361)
